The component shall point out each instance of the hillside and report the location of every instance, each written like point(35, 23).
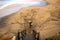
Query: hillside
point(45, 19)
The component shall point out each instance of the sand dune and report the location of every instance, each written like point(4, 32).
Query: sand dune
point(46, 21)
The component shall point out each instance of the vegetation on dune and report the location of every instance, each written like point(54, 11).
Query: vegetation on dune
point(54, 38)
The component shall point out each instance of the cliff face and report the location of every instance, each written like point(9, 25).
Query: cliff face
point(45, 19)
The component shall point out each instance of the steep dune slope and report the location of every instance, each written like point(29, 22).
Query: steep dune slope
point(46, 20)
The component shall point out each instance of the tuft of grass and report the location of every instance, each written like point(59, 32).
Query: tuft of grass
point(54, 38)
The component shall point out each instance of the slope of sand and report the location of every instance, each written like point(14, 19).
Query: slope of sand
point(46, 20)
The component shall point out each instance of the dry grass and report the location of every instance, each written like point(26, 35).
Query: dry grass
point(46, 20)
